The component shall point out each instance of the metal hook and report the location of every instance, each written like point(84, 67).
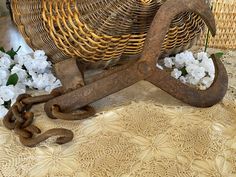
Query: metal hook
point(64, 137)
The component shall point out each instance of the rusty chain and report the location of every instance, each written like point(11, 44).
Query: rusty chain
point(20, 119)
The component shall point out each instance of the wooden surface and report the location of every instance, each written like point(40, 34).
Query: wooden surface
point(10, 37)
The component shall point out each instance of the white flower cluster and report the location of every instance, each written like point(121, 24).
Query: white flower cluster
point(33, 71)
point(198, 71)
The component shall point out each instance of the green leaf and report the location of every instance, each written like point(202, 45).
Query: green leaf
point(219, 54)
point(2, 49)
point(184, 71)
point(7, 104)
point(12, 52)
point(13, 79)
point(12, 66)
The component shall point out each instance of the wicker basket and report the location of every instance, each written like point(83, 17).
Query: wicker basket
point(98, 30)
point(225, 15)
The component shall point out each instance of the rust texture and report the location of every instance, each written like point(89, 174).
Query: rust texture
point(146, 66)
point(71, 101)
point(20, 120)
point(69, 74)
point(190, 95)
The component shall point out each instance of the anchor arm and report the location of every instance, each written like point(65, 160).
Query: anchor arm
point(142, 69)
point(162, 20)
point(190, 95)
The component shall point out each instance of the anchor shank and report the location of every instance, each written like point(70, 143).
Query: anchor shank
point(144, 67)
point(97, 90)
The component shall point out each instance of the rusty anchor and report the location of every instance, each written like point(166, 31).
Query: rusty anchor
point(79, 90)
point(145, 68)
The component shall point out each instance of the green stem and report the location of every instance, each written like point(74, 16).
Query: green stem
point(207, 36)
point(207, 40)
point(18, 49)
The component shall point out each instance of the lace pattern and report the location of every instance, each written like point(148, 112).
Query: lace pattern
point(153, 135)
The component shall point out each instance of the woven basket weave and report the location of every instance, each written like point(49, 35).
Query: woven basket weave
point(98, 30)
point(225, 15)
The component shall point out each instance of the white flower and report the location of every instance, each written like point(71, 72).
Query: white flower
point(176, 73)
point(53, 85)
point(189, 55)
point(39, 81)
point(168, 62)
point(11, 92)
point(183, 79)
point(37, 62)
point(2, 54)
point(183, 58)
point(5, 62)
point(1, 101)
point(191, 80)
point(196, 71)
point(179, 61)
point(42, 66)
point(21, 73)
point(159, 66)
point(37, 65)
point(4, 74)
point(200, 71)
point(45, 81)
point(208, 64)
point(206, 82)
point(39, 54)
point(21, 59)
point(3, 111)
point(202, 56)
point(7, 92)
point(19, 89)
point(193, 62)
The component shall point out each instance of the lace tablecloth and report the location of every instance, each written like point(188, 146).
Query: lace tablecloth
point(139, 132)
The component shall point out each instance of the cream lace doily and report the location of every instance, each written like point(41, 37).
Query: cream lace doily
point(152, 136)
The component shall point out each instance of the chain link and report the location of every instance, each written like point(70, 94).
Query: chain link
point(20, 119)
